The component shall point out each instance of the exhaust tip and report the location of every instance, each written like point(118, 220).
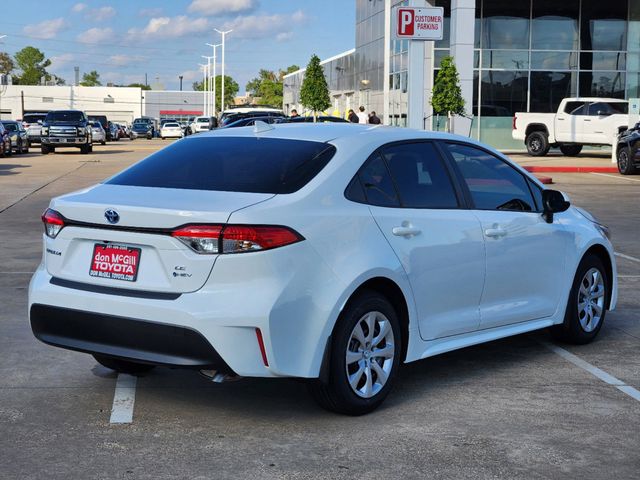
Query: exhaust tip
point(219, 377)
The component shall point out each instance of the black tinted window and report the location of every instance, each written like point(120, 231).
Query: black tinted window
point(11, 127)
point(64, 116)
point(377, 183)
point(420, 176)
point(575, 108)
point(232, 164)
point(494, 185)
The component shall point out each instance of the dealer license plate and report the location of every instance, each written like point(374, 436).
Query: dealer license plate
point(117, 262)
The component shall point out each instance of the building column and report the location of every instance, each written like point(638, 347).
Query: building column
point(463, 20)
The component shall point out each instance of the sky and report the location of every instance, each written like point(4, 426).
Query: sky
point(123, 40)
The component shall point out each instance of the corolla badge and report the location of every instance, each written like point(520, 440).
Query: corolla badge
point(112, 216)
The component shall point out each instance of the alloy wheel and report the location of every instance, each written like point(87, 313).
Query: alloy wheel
point(623, 159)
point(591, 297)
point(370, 353)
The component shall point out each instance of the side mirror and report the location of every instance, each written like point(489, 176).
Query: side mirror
point(553, 201)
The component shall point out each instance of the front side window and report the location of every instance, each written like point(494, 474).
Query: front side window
point(493, 184)
point(420, 176)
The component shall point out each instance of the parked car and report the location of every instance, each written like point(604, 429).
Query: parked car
point(578, 122)
point(18, 135)
point(66, 128)
point(32, 123)
point(249, 121)
point(238, 113)
point(142, 129)
point(204, 124)
point(320, 119)
point(345, 253)
point(151, 123)
point(171, 130)
point(104, 122)
point(628, 151)
point(98, 134)
point(5, 142)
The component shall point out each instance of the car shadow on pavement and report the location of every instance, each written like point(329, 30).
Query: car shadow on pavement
point(8, 168)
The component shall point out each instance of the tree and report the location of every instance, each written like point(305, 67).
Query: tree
point(91, 79)
point(447, 95)
point(314, 93)
point(6, 64)
point(231, 89)
point(140, 85)
point(268, 85)
point(33, 64)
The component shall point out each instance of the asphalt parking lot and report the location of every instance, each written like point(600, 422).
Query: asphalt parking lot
point(517, 408)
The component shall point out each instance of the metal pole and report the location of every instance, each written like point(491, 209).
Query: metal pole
point(224, 34)
point(213, 87)
point(208, 86)
point(180, 77)
point(204, 96)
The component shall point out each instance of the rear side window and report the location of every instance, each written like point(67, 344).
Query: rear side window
point(377, 183)
point(231, 164)
point(493, 184)
point(575, 108)
point(420, 176)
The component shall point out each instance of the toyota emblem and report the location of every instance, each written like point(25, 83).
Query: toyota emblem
point(112, 216)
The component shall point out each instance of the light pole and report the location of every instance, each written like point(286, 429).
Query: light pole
point(214, 75)
point(180, 77)
point(224, 34)
point(1, 86)
point(208, 85)
point(204, 96)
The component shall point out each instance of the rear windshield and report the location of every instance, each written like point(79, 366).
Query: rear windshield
point(33, 118)
point(231, 164)
point(171, 124)
point(65, 116)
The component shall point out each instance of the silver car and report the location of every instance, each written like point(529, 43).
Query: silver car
point(98, 134)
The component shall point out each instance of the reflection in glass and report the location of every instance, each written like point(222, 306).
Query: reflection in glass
point(603, 61)
point(555, 25)
point(604, 25)
point(554, 60)
point(504, 91)
point(505, 24)
point(602, 84)
point(549, 88)
point(505, 59)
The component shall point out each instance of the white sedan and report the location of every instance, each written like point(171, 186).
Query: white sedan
point(171, 130)
point(329, 252)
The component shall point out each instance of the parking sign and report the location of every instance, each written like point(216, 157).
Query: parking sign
point(419, 23)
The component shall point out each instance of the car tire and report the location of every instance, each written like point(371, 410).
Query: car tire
point(587, 304)
point(537, 144)
point(103, 142)
point(625, 162)
point(123, 366)
point(45, 150)
point(9, 151)
point(25, 147)
point(84, 149)
point(571, 150)
point(355, 386)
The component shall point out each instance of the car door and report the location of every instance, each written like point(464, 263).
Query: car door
point(439, 244)
point(525, 256)
point(569, 123)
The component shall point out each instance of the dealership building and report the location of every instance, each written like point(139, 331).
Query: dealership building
point(512, 56)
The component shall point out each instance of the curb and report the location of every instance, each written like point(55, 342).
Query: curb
point(570, 169)
point(545, 180)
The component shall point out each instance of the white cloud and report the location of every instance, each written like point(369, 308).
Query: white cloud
point(78, 7)
point(169, 27)
point(222, 7)
point(45, 30)
point(123, 60)
point(95, 35)
point(101, 14)
point(60, 61)
point(278, 26)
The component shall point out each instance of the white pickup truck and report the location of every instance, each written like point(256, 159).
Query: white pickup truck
point(578, 122)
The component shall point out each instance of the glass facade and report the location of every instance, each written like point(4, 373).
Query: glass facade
point(529, 55)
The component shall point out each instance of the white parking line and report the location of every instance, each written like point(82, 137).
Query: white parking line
point(627, 257)
point(615, 176)
point(124, 399)
point(595, 371)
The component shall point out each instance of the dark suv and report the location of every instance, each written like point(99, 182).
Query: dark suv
point(66, 128)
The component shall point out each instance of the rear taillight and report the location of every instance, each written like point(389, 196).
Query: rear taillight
point(200, 238)
point(210, 239)
point(53, 223)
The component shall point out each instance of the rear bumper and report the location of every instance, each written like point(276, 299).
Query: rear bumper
point(122, 337)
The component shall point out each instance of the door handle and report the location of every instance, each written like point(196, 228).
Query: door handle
point(587, 120)
point(405, 231)
point(495, 232)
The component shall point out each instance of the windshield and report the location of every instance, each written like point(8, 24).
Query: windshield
point(203, 119)
point(231, 164)
point(33, 118)
point(64, 116)
point(11, 127)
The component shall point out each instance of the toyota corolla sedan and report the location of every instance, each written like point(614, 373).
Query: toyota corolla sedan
point(333, 253)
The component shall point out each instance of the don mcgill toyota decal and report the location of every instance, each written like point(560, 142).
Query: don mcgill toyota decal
point(117, 262)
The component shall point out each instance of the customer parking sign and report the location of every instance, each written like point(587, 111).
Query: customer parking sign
point(419, 23)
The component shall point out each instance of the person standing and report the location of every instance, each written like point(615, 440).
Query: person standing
point(362, 116)
point(374, 119)
point(352, 117)
point(294, 113)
